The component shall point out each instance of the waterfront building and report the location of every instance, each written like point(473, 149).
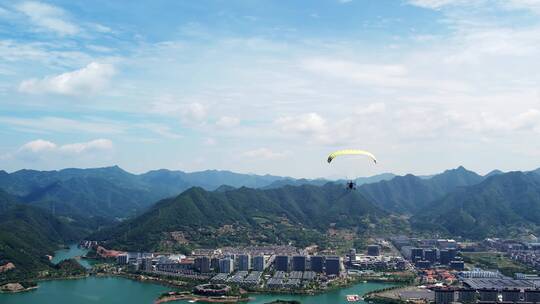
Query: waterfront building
point(488, 294)
point(226, 265)
point(146, 264)
point(444, 257)
point(430, 255)
point(480, 274)
point(446, 244)
point(122, 259)
point(259, 263)
point(444, 296)
point(299, 263)
point(332, 265)
point(351, 256)
point(214, 264)
point(417, 254)
point(281, 263)
point(317, 263)
point(373, 250)
point(244, 262)
point(202, 264)
point(422, 264)
point(511, 295)
point(467, 296)
point(457, 265)
point(532, 295)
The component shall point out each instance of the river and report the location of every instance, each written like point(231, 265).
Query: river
point(112, 290)
point(72, 252)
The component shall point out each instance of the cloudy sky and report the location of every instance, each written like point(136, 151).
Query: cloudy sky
point(270, 86)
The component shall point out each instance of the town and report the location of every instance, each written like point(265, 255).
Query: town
point(439, 270)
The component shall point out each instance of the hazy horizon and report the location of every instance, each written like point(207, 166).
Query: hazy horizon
point(270, 87)
point(329, 177)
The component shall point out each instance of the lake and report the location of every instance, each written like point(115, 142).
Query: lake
point(72, 252)
point(112, 290)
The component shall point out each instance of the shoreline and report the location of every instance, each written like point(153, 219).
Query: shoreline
point(19, 290)
point(192, 297)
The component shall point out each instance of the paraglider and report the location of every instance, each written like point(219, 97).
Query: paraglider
point(351, 185)
point(351, 152)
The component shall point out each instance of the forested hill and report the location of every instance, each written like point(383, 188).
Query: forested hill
point(112, 192)
point(27, 234)
point(299, 215)
point(502, 205)
point(410, 194)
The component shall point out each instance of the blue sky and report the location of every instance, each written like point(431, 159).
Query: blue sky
point(270, 86)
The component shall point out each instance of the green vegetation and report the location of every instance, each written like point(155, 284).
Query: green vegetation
point(502, 205)
point(410, 194)
point(68, 268)
point(27, 234)
point(110, 193)
point(301, 215)
point(494, 260)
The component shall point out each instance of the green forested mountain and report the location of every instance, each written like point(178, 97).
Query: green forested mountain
point(501, 205)
point(409, 193)
point(295, 182)
point(90, 196)
point(112, 192)
point(78, 201)
point(27, 234)
point(298, 214)
point(374, 179)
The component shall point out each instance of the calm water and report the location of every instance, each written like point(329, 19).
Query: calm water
point(72, 252)
point(119, 290)
point(114, 290)
point(93, 290)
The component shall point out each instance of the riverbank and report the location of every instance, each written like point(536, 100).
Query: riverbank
point(16, 288)
point(187, 296)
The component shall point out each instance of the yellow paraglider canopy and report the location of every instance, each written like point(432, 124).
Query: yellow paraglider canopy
point(351, 152)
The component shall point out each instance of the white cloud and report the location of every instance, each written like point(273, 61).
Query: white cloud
point(41, 149)
point(188, 112)
point(52, 124)
point(87, 147)
point(227, 121)
point(264, 153)
point(368, 74)
point(48, 17)
point(38, 146)
point(437, 4)
point(500, 125)
point(89, 80)
point(530, 5)
point(305, 123)
point(161, 129)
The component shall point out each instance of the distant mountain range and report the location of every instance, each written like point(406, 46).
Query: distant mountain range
point(167, 210)
point(502, 204)
point(409, 193)
point(112, 192)
point(290, 214)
